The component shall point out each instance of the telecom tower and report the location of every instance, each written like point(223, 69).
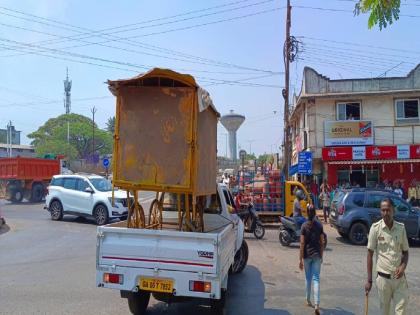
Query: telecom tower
point(232, 122)
point(67, 93)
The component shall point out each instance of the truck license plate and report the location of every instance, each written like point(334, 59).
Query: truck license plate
point(156, 285)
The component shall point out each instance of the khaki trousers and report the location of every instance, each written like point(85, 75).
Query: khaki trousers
point(392, 289)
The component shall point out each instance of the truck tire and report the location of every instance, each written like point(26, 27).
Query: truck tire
point(17, 195)
point(218, 306)
point(56, 210)
point(138, 302)
point(241, 258)
point(358, 233)
point(100, 214)
point(37, 193)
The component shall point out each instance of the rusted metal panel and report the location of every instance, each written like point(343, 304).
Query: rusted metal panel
point(206, 152)
point(155, 127)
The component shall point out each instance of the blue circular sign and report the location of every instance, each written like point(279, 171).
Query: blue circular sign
point(105, 162)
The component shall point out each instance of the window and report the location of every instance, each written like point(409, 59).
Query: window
point(70, 183)
point(57, 182)
point(82, 185)
point(374, 201)
point(358, 199)
point(348, 111)
point(399, 205)
point(407, 110)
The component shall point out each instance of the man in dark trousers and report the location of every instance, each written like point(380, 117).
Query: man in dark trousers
point(389, 240)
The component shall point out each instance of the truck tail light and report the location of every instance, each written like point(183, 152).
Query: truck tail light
point(200, 286)
point(341, 209)
point(113, 278)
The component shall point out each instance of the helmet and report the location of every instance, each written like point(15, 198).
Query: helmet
point(299, 194)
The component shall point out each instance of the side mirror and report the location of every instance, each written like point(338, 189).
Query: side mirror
point(89, 190)
point(231, 209)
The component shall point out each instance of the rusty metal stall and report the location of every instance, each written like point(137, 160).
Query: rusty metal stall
point(165, 141)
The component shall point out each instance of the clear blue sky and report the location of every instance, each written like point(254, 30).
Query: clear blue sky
point(248, 46)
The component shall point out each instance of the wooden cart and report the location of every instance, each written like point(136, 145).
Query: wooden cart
point(165, 141)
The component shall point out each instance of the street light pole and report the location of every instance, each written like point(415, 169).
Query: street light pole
point(286, 56)
point(93, 111)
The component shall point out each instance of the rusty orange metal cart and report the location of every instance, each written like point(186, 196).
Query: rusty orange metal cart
point(165, 141)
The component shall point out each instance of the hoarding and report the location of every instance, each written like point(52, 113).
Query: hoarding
point(348, 133)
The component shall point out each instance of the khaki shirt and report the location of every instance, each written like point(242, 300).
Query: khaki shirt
point(388, 244)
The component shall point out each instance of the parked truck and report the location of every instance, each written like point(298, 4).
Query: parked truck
point(27, 178)
point(190, 239)
point(271, 195)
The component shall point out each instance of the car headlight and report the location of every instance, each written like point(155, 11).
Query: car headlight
point(116, 200)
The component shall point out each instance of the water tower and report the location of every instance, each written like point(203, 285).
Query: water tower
point(232, 122)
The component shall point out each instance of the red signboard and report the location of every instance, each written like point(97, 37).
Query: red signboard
point(381, 152)
point(337, 153)
point(376, 152)
point(415, 151)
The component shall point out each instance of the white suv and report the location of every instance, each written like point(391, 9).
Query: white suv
point(85, 195)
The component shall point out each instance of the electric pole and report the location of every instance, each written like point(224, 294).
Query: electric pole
point(67, 93)
point(93, 111)
point(286, 56)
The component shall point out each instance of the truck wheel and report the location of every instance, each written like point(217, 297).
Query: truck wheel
point(241, 258)
point(37, 193)
point(218, 306)
point(358, 233)
point(101, 214)
point(17, 195)
point(138, 302)
point(259, 231)
point(56, 210)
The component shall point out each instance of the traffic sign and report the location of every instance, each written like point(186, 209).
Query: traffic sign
point(242, 154)
point(305, 163)
point(105, 162)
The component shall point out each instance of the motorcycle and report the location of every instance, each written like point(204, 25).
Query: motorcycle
point(290, 232)
point(252, 222)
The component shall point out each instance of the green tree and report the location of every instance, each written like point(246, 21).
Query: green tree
point(250, 157)
point(110, 125)
point(52, 137)
point(381, 12)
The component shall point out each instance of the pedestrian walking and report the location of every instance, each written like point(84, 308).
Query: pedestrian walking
point(388, 239)
point(310, 256)
point(324, 197)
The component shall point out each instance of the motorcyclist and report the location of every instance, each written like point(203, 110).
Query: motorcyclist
point(297, 208)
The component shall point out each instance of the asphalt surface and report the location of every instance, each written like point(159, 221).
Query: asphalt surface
point(48, 267)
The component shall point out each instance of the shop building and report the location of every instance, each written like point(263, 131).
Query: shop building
point(361, 132)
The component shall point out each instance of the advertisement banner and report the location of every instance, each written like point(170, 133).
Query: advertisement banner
point(348, 133)
point(415, 151)
point(359, 153)
point(381, 152)
point(403, 151)
point(337, 154)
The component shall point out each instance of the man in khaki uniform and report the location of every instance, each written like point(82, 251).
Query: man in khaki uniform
point(389, 239)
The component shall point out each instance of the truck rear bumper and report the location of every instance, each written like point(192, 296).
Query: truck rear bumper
point(180, 279)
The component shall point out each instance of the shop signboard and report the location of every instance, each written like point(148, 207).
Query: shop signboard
point(403, 151)
point(415, 151)
point(348, 133)
point(381, 152)
point(359, 153)
point(337, 154)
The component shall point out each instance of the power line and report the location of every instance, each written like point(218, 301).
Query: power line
point(188, 27)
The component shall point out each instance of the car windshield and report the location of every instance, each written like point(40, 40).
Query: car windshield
point(101, 184)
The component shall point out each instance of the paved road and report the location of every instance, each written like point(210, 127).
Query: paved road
point(48, 267)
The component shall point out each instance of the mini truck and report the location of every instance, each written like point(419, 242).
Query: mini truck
point(174, 265)
point(184, 246)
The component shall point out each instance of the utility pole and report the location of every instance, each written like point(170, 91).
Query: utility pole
point(286, 56)
point(93, 111)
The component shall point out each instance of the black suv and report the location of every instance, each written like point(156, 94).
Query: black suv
point(353, 211)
